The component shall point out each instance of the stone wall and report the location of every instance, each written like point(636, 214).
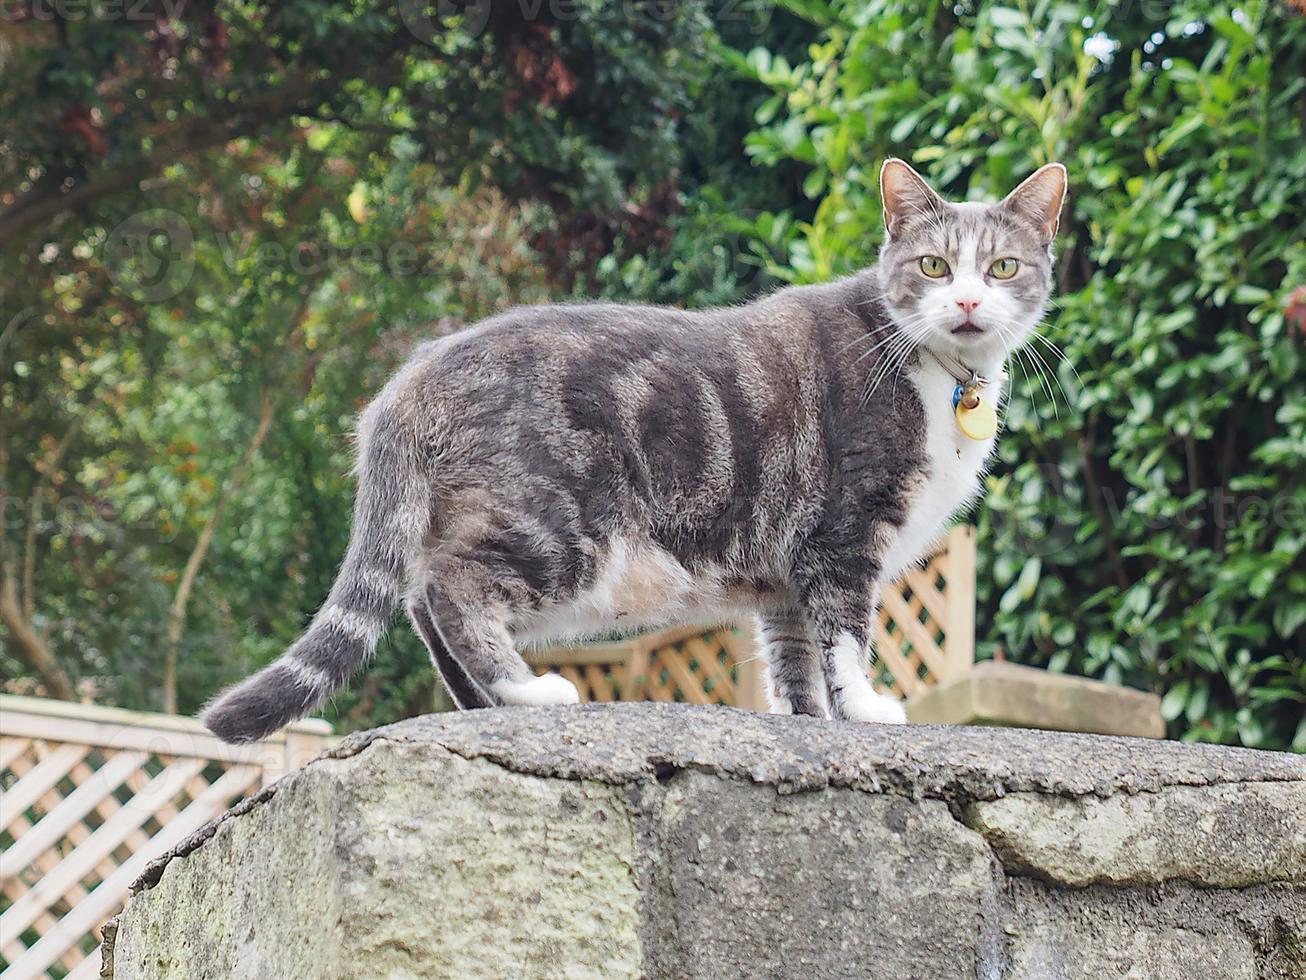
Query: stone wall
point(670, 841)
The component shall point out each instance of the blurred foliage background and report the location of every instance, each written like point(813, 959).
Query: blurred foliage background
point(222, 225)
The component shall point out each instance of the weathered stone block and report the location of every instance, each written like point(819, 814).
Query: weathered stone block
point(1221, 836)
point(399, 862)
point(745, 871)
point(1175, 931)
point(1067, 951)
point(1024, 697)
point(670, 841)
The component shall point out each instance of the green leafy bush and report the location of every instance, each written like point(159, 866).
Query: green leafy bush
point(1145, 520)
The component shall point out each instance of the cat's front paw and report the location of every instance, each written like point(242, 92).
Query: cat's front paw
point(874, 708)
point(781, 705)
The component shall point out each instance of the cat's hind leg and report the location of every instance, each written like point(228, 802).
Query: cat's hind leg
point(465, 601)
point(464, 691)
point(795, 683)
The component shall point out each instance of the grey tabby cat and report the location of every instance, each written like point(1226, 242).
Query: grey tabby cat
point(561, 471)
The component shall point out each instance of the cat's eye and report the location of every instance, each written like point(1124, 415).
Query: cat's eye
point(1004, 268)
point(934, 267)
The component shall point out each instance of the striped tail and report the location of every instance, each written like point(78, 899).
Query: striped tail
point(391, 517)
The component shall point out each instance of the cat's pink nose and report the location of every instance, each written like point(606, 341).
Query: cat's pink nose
point(968, 306)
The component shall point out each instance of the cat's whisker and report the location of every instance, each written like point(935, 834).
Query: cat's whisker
point(895, 366)
point(921, 336)
point(1029, 386)
point(1018, 352)
point(895, 329)
point(1061, 355)
point(1078, 381)
point(897, 374)
point(869, 334)
point(881, 368)
point(888, 340)
point(891, 367)
point(898, 334)
point(1047, 369)
point(905, 345)
point(1014, 352)
point(1040, 336)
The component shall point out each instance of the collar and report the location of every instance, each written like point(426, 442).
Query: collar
point(965, 376)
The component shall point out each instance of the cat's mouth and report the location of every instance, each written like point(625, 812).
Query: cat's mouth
point(968, 327)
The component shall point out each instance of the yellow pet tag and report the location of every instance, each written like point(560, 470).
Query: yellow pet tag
point(976, 416)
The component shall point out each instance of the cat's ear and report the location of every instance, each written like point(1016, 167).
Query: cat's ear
point(905, 193)
point(1039, 198)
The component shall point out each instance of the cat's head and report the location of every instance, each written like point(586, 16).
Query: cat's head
point(969, 279)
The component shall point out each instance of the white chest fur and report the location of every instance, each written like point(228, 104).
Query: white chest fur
point(956, 465)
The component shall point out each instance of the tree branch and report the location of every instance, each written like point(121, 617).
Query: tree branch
point(177, 614)
point(1099, 510)
point(27, 644)
point(1222, 486)
point(39, 206)
point(34, 515)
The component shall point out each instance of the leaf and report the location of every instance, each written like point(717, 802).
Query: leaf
point(1289, 616)
point(904, 127)
point(1006, 17)
point(814, 183)
point(1172, 705)
point(1198, 703)
point(358, 209)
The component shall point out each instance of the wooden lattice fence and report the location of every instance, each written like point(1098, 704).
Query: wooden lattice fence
point(926, 631)
point(925, 635)
point(90, 796)
point(694, 665)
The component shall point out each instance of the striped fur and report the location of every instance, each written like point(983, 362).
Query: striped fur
point(563, 471)
point(391, 516)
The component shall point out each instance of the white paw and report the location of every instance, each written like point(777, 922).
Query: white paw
point(781, 705)
point(542, 690)
point(875, 708)
point(777, 703)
